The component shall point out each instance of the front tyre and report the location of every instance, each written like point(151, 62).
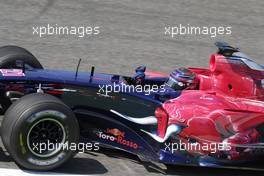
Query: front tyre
point(38, 131)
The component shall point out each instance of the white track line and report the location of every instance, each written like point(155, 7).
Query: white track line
point(18, 172)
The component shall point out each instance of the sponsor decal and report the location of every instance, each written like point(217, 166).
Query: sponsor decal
point(117, 136)
point(12, 72)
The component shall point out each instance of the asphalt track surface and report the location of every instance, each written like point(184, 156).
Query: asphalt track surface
point(131, 34)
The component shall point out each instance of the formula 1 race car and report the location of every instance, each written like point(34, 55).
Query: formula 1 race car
point(193, 116)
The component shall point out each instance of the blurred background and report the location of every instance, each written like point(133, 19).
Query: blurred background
point(131, 31)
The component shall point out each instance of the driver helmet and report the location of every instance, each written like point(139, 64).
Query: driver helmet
point(182, 79)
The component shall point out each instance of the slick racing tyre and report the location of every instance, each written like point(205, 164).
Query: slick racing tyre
point(38, 130)
point(9, 55)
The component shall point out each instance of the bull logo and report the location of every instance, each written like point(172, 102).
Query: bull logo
point(115, 132)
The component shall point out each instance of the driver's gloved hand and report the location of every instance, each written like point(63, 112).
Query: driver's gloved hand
point(139, 77)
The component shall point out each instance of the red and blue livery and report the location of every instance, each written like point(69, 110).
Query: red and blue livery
point(193, 116)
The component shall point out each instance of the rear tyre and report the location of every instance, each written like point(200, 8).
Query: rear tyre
point(34, 129)
point(10, 54)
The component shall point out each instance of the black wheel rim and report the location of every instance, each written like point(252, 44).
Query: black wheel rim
point(46, 137)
